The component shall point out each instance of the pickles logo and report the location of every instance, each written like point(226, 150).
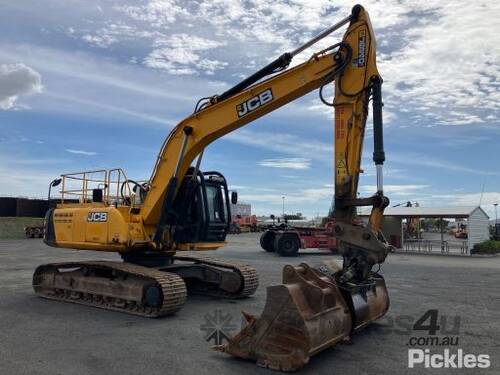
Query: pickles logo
point(98, 217)
point(448, 359)
point(254, 102)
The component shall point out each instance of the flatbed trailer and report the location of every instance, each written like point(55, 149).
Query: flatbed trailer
point(286, 240)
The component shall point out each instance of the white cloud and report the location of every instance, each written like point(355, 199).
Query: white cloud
point(102, 41)
point(92, 70)
point(28, 177)
point(394, 189)
point(80, 152)
point(16, 80)
point(422, 55)
point(305, 196)
point(296, 198)
point(434, 162)
point(112, 108)
point(285, 143)
point(290, 163)
point(238, 187)
point(485, 200)
point(448, 64)
point(158, 13)
point(179, 54)
point(113, 33)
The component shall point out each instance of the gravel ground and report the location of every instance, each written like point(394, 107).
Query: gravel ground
point(45, 337)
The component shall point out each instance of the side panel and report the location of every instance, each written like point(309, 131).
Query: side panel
point(63, 224)
point(92, 228)
point(79, 225)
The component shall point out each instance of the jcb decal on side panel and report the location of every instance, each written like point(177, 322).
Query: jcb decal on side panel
point(99, 217)
point(254, 102)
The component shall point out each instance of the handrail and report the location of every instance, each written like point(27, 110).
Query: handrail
point(110, 181)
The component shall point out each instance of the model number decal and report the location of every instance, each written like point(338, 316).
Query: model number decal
point(361, 60)
point(254, 102)
point(99, 217)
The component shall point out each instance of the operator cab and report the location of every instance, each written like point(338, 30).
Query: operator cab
point(203, 208)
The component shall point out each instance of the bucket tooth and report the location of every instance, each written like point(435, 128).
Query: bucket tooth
point(248, 317)
point(303, 316)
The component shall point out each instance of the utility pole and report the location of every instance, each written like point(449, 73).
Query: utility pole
point(283, 198)
point(496, 219)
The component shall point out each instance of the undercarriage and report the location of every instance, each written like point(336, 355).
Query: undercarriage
point(139, 290)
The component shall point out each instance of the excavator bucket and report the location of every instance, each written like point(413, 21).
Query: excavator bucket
point(308, 313)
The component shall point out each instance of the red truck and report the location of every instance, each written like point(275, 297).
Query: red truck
point(241, 224)
point(286, 240)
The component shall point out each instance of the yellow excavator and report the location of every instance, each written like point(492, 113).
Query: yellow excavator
point(181, 208)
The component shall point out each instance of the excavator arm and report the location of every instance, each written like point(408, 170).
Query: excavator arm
point(316, 307)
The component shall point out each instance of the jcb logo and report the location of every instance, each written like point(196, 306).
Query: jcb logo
point(97, 217)
point(255, 102)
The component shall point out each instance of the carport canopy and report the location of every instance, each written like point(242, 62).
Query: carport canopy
point(459, 212)
point(477, 220)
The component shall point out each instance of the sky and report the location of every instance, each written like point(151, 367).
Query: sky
point(99, 84)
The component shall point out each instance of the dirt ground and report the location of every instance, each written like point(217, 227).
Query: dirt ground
point(45, 337)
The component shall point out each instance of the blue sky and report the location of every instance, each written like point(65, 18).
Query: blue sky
point(99, 84)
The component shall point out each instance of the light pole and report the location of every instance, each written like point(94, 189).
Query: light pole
point(283, 198)
point(496, 219)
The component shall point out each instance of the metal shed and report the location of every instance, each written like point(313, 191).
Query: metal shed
point(477, 221)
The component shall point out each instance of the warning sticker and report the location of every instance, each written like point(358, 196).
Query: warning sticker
point(341, 167)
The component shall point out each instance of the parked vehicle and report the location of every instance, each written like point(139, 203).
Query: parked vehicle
point(246, 223)
point(33, 231)
point(286, 240)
